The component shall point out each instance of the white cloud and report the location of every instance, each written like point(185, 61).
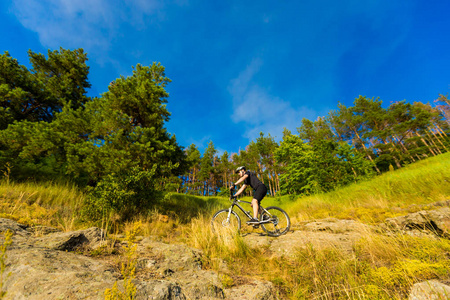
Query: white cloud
point(68, 23)
point(90, 24)
point(260, 111)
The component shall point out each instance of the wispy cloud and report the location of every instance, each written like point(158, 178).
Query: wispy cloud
point(258, 110)
point(201, 142)
point(91, 24)
point(325, 33)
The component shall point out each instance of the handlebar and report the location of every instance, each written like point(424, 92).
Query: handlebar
point(232, 193)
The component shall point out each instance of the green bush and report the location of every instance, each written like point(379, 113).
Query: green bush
point(124, 194)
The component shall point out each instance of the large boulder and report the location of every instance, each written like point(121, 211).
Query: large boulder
point(334, 225)
point(430, 290)
point(320, 234)
point(45, 266)
point(183, 264)
point(16, 228)
point(91, 238)
point(40, 273)
point(436, 221)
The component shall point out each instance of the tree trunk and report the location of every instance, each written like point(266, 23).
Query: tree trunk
point(438, 139)
point(425, 143)
point(439, 130)
point(270, 187)
point(277, 181)
point(432, 141)
point(366, 152)
point(404, 148)
point(273, 185)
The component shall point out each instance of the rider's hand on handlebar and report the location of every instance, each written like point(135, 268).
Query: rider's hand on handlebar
point(232, 186)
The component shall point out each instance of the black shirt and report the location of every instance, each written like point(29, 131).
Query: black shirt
point(252, 180)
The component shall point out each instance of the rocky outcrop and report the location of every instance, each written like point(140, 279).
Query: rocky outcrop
point(430, 290)
point(435, 221)
point(51, 266)
point(320, 234)
point(37, 270)
point(91, 238)
point(44, 263)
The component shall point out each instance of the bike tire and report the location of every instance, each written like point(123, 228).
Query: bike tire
point(219, 222)
point(279, 224)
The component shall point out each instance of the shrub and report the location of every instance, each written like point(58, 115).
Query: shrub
point(124, 194)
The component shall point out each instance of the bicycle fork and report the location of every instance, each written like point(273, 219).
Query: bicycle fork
point(229, 214)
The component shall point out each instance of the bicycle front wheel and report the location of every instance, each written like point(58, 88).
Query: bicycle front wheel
point(275, 221)
point(221, 223)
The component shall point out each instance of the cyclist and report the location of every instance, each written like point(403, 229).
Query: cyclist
point(260, 190)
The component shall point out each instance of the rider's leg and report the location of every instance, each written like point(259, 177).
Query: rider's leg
point(255, 205)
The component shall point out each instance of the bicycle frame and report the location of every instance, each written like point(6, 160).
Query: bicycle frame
point(235, 202)
point(269, 218)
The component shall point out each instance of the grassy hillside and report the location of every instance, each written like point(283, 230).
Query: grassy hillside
point(381, 266)
point(48, 204)
point(391, 194)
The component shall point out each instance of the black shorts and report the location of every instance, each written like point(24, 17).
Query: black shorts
point(260, 192)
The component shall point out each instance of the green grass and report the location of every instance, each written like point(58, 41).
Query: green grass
point(185, 207)
point(391, 194)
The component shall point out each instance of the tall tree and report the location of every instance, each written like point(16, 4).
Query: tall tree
point(117, 140)
point(207, 169)
point(444, 107)
point(225, 171)
point(296, 158)
point(319, 167)
point(54, 82)
point(349, 126)
point(193, 158)
point(266, 147)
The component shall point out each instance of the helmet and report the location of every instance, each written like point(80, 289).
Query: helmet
point(240, 168)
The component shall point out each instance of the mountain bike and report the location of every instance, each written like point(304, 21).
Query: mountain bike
point(273, 220)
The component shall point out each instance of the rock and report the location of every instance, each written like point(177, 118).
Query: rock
point(42, 230)
point(337, 226)
point(326, 233)
point(95, 237)
point(16, 228)
point(91, 238)
point(288, 244)
point(430, 290)
point(436, 221)
point(254, 290)
point(38, 273)
point(159, 290)
point(442, 203)
point(183, 265)
point(42, 267)
point(170, 255)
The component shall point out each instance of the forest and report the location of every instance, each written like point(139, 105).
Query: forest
point(117, 148)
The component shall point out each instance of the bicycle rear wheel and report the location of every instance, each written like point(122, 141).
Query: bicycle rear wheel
point(222, 224)
point(275, 221)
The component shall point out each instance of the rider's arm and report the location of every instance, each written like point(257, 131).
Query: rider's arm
point(240, 190)
point(241, 179)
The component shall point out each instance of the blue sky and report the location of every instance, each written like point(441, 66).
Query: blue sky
point(242, 67)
